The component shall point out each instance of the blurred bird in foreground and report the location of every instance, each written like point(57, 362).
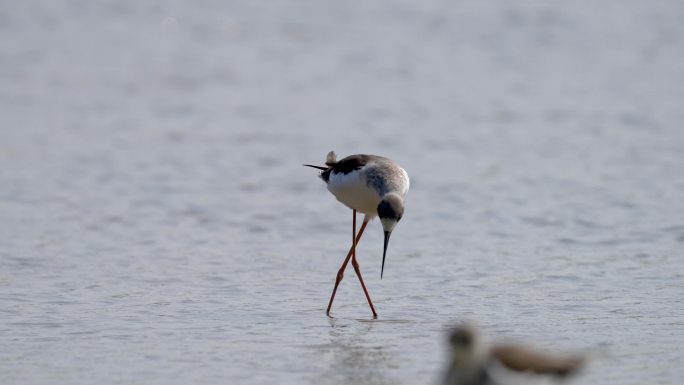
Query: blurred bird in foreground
point(474, 362)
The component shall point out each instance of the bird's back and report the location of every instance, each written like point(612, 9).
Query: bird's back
point(360, 181)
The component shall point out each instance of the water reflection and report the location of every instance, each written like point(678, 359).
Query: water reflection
point(355, 357)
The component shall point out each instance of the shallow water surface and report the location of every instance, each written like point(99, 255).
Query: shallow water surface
point(157, 227)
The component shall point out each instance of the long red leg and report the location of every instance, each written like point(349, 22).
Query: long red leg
point(340, 273)
point(355, 263)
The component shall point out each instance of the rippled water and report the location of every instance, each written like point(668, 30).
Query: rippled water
point(156, 225)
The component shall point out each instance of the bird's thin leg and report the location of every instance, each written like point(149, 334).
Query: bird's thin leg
point(340, 273)
point(355, 263)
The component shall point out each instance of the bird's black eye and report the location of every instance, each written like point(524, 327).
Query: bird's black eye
point(461, 339)
point(385, 210)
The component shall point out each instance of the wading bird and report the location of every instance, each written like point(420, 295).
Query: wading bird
point(372, 185)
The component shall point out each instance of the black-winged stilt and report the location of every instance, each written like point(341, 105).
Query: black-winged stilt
point(372, 185)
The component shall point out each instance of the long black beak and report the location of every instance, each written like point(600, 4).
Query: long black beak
point(384, 251)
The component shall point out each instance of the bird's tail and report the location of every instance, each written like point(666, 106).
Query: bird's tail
point(318, 167)
point(330, 161)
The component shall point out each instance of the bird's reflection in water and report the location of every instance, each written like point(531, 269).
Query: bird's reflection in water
point(356, 359)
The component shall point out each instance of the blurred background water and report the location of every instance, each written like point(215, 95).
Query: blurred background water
point(157, 227)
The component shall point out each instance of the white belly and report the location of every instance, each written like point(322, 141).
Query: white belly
point(353, 192)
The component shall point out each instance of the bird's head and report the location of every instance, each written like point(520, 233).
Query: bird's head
point(466, 345)
point(390, 211)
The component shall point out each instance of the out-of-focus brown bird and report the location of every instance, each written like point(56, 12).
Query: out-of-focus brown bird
point(474, 362)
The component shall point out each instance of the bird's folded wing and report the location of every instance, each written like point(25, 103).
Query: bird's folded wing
point(523, 359)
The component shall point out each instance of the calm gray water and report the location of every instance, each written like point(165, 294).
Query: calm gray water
point(157, 227)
